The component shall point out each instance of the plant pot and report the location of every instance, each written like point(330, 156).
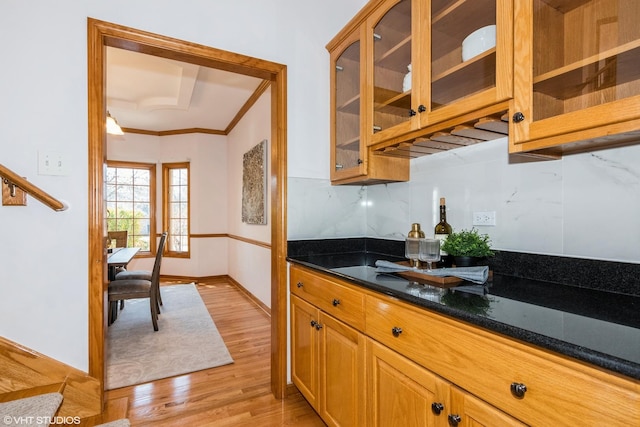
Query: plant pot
point(466, 261)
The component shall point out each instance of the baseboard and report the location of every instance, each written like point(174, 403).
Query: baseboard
point(23, 368)
point(219, 278)
point(249, 295)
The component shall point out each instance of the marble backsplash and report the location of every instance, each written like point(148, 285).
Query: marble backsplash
point(583, 206)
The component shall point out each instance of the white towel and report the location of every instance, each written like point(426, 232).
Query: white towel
point(473, 274)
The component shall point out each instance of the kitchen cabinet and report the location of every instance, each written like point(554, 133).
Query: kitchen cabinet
point(327, 355)
point(444, 102)
point(351, 160)
point(428, 36)
point(414, 357)
point(403, 393)
point(577, 75)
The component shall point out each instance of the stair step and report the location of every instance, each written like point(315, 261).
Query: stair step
point(115, 410)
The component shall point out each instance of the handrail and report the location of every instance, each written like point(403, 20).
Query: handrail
point(12, 179)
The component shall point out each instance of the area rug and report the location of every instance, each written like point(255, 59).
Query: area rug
point(187, 339)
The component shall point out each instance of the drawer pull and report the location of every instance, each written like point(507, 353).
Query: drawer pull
point(518, 390)
point(396, 331)
point(437, 408)
point(300, 284)
point(335, 302)
point(454, 419)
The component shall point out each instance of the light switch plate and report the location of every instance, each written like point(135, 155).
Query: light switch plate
point(51, 163)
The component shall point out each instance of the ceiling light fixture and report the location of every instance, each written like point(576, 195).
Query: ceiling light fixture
point(113, 127)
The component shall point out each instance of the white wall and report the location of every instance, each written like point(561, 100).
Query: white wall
point(43, 82)
point(250, 264)
point(207, 157)
point(549, 207)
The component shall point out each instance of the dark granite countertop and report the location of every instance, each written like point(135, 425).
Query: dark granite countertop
point(596, 326)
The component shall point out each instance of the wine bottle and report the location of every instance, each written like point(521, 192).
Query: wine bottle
point(441, 232)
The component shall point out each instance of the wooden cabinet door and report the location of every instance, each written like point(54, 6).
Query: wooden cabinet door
point(342, 385)
point(304, 349)
point(462, 80)
point(576, 75)
point(347, 144)
point(391, 40)
point(469, 411)
point(402, 393)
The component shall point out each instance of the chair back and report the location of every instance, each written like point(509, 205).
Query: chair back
point(120, 238)
point(155, 274)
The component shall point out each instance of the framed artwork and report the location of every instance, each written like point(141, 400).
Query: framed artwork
point(254, 185)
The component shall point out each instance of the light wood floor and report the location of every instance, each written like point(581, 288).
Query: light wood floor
point(232, 395)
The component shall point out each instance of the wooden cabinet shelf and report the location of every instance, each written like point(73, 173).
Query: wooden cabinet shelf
point(577, 79)
point(451, 22)
point(465, 79)
point(350, 106)
point(614, 67)
point(396, 58)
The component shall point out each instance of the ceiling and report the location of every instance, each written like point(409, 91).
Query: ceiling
point(150, 94)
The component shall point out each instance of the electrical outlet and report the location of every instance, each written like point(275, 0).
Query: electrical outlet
point(484, 218)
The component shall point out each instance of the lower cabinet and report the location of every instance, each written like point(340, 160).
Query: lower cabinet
point(328, 364)
point(402, 393)
point(364, 359)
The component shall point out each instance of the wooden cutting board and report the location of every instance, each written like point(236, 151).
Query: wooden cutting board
point(441, 282)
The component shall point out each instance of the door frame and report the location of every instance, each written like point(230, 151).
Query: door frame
point(100, 35)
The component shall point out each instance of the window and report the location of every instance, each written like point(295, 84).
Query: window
point(176, 207)
point(130, 201)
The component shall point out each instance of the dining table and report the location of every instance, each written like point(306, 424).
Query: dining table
point(119, 258)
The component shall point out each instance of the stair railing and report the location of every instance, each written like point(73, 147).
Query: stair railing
point(14, 180)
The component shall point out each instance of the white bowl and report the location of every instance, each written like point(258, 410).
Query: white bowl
point(479, 41)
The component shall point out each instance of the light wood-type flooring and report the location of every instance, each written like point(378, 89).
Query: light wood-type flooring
point(232, 395)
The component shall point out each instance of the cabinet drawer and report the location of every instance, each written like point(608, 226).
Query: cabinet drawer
point(559, 391)
point(342, 302)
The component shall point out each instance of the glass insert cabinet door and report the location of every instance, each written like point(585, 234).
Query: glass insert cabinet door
point(392, 71)
point(463, 50)
point(346, 150)
point(584, 69)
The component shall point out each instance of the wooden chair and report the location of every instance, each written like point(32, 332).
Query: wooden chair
point(124, 289)
point(120, 238)
point(143, 274)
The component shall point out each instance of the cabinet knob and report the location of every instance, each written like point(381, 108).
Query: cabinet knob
point(454, 419)
point(335, 302)
point(412, 112)
point(313, 323)
point(437, 408)
point(396, 331)
point(518, 117)
point(318, 326)
point(360, 161)
point(299, 284)
point(518, 390)
point(421, 108)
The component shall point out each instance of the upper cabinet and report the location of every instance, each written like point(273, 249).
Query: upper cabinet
point(577, 75)
point(557, 76)
point(351, 160)
point(417, 91)
point(433, 61)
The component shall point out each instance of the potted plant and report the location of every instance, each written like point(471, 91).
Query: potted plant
point(467, 247)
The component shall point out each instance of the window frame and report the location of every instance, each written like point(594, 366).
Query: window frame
point(166, 169)
point(151, 167)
